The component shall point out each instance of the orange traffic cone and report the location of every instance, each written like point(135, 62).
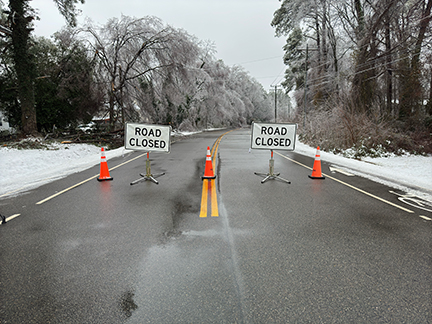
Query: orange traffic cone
point(316, 172)
point(104, 172)
point(208, 172)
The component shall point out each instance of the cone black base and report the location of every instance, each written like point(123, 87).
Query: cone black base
point(204, 177)
point(105, 179)
point(316, 177)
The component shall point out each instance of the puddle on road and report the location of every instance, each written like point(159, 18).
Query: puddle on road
point(178, 280)
point(127, 303)
point(206, 233)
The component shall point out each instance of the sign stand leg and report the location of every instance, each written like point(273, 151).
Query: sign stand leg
point(271, 175)
point(148, 175)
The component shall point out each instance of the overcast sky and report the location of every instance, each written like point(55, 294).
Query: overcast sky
point(240, 29)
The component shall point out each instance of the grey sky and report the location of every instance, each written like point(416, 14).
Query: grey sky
point(240, 29)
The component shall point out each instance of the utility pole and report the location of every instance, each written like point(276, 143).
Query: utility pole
point(275, 91)
point(305, 89)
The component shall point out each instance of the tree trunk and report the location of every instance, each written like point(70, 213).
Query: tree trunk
point(424, 22)
point(412, 89)
point(324, 37)
point(25, 67)
point(111, 108)
point(360, 19)
point(429, 106)
point(389, 83)
point(415, 63)
point(360, 91)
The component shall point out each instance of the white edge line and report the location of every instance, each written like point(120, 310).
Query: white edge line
point(65, 190)
point(82, 182)
point(355, 188)
point(332, 169)
point(11, 217)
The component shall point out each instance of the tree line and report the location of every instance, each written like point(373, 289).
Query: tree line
point(126, 70)
point(359, 67)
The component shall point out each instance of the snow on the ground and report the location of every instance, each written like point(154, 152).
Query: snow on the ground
point(409, 173)
point(22, 170)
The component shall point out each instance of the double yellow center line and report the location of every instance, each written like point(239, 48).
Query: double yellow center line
point(209, 186)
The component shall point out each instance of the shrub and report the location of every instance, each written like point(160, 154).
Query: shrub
point(340, 129)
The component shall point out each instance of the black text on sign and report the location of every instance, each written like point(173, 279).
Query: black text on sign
point(143, 137)
point(273, 136)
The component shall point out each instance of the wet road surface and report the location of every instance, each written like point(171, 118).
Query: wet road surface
point(313, 251)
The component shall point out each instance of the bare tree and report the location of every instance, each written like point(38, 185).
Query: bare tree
point(411, 88)
point(150, 70)
point(156, 73)
point(127, 49)
point(310, 23)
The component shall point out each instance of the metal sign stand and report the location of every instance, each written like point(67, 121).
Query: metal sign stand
point(271, 175)
point(148, 175)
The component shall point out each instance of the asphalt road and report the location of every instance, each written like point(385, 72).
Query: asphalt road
point(339, 250)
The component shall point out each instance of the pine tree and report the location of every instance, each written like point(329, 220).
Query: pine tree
point(21, 16)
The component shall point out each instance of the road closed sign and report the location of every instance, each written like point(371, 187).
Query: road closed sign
point(273, 136)
point(153, 138)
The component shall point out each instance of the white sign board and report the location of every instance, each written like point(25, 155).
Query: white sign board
point(273, 136)
point(142, 137)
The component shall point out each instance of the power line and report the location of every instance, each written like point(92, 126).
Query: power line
point(260, 60)
point(274, 81)
point(358, 72)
